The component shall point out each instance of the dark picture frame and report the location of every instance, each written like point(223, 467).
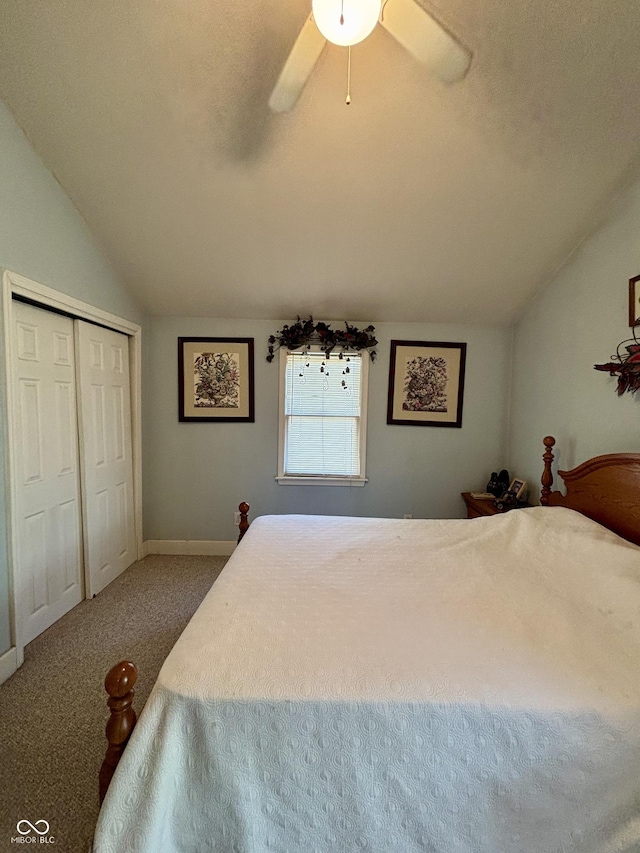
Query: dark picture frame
point(634, 301)
point(216, 380)
point(426, 383)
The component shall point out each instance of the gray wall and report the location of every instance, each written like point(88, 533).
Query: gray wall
point(43, 237)
point(196, 474)
point(576, 322)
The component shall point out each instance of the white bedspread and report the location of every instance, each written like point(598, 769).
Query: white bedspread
point(397, 686)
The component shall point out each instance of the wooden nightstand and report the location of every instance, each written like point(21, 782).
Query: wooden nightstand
point(476, 507)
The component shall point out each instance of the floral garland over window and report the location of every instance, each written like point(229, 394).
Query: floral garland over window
point(304, 333)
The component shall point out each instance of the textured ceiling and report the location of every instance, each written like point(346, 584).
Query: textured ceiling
point(417, 202)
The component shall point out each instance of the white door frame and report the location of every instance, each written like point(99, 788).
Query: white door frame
point(46, 297)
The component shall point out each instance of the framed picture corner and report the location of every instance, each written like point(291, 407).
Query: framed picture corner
point(634, 301)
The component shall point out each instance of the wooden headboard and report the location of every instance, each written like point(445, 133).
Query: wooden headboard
point(605, 488)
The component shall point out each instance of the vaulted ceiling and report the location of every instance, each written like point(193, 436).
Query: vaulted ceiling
point(419, 201)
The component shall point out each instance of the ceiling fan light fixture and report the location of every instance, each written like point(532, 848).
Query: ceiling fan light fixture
point(345, 22)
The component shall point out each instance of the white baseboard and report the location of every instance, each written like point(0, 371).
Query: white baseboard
point(190, 547)
point(8, 664)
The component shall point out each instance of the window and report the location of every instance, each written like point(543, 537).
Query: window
point(322, 420)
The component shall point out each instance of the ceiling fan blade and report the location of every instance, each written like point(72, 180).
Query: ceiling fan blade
point(298, 67)
point(426, 39)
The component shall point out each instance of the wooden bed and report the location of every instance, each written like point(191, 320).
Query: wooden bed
point(119, 684)
point(605, 489)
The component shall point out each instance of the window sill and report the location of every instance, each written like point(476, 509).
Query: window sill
point(301, 480)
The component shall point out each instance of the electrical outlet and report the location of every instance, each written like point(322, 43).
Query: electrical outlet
point(236, 519)
point(407, 515)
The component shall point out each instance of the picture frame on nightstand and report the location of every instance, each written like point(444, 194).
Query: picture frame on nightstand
point(518, 488)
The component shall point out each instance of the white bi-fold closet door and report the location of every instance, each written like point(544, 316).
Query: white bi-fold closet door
point(74, 520)
point(104, 419)
point(49, 574)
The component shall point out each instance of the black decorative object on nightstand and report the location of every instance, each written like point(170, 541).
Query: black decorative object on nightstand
point(493, 486)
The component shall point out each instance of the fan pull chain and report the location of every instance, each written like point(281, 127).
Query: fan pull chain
point(348, 98)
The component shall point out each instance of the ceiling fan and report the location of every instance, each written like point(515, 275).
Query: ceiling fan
point(347, 22)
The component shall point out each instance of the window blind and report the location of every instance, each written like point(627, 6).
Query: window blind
point(322, 417)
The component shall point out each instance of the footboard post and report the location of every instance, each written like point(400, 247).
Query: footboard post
point(119, 685)
point(244, 521)
point(547, 475)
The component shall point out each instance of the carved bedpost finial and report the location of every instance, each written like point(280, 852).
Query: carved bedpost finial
point(119, 685)
point(547, 476)
point(244, 521)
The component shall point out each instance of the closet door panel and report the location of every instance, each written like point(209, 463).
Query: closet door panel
point(48, 572)
point(106, 452)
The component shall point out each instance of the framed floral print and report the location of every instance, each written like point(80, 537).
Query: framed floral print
point(215, 379)
point(426, 383)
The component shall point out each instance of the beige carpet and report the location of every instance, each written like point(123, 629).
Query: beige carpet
point(53, 710)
